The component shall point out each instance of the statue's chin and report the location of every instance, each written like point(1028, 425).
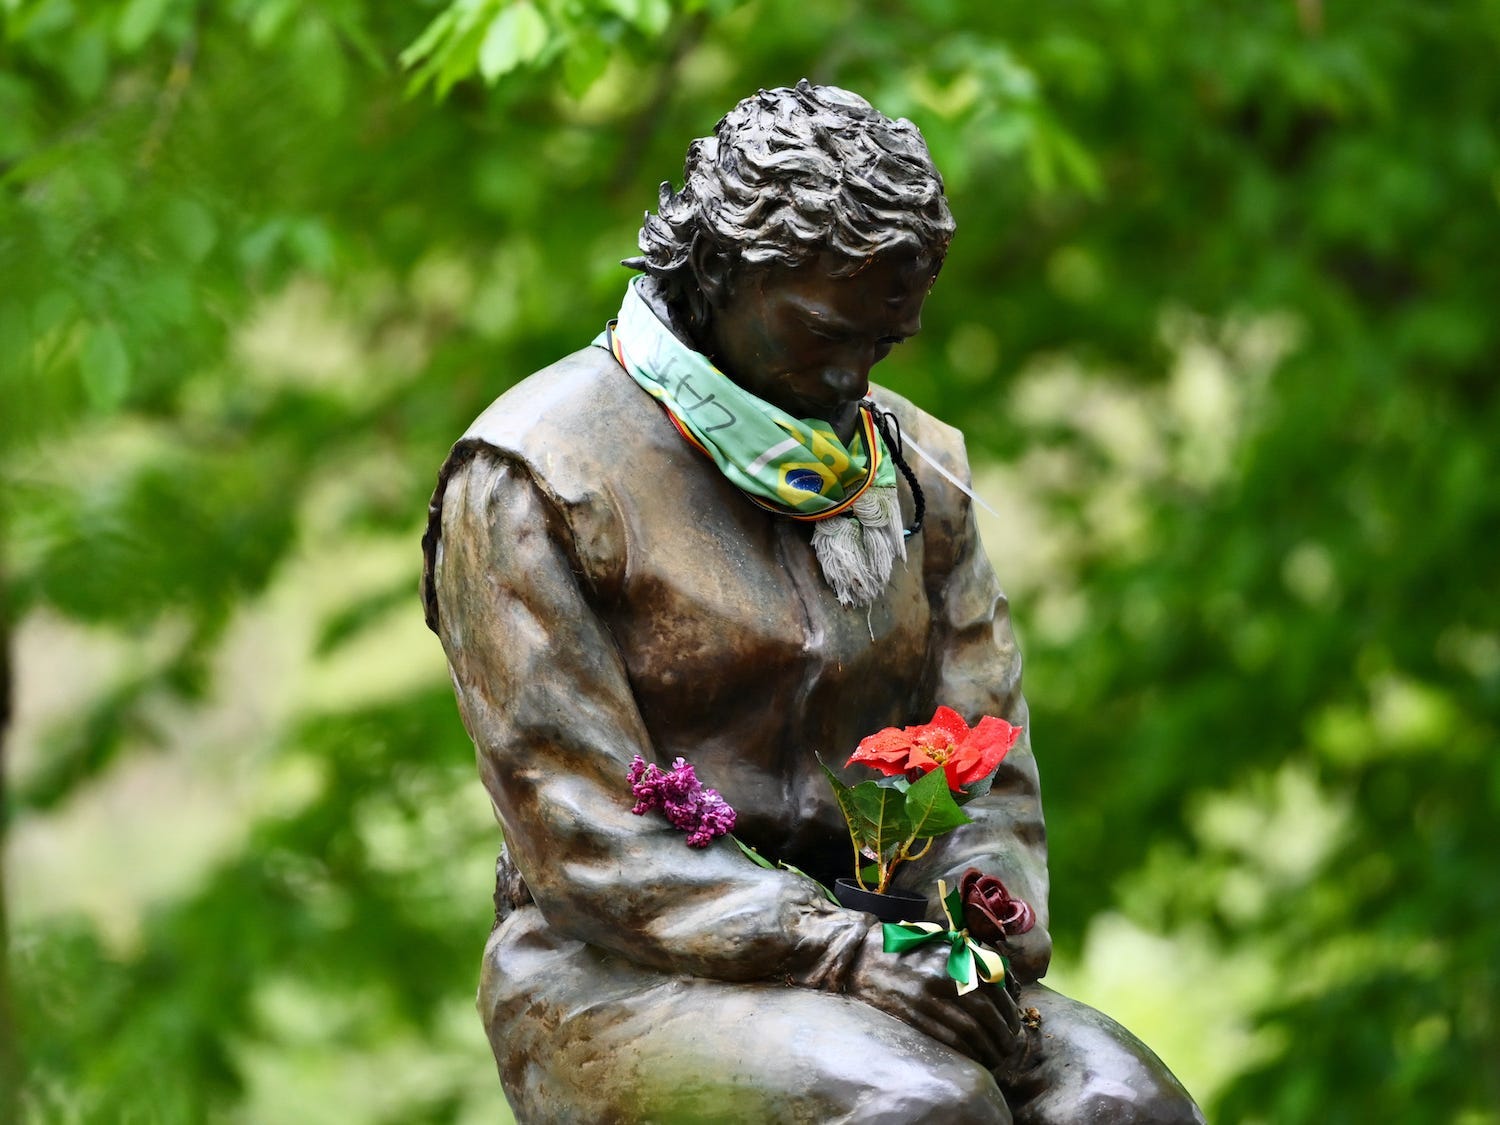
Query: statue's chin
point(846, 388)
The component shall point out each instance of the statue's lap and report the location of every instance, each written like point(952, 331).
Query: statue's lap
point(585, 1035)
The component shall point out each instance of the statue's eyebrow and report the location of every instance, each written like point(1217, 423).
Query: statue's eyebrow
point(821, 322)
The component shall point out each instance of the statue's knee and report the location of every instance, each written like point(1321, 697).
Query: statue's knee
point(1132, 1105)
point(1133, 1086)
point(963, 1093)
point(1088, 1068)
point(1109, 1103)
point(977, 1099)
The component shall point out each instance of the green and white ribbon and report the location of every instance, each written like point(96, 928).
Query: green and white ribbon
point(796, 467)
point(968, 961)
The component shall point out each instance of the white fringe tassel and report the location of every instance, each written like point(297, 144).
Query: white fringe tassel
point(858, 554)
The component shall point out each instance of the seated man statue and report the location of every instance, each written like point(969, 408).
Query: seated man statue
point(691, 539)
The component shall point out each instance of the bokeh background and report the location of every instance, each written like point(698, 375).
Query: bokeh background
point(1221, 323)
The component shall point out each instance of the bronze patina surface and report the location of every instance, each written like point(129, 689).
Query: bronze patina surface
point(601, 591)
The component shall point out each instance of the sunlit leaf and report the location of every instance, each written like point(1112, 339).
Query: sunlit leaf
point(515, 36)
point(138, 21)
point(105, 365)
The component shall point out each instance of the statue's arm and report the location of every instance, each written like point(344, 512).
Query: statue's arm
point(975, 668)
point(545, 694)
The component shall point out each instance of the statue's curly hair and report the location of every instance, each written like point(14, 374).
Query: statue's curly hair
point(790, 173)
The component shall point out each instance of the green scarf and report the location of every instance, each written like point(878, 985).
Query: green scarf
point(795, 467)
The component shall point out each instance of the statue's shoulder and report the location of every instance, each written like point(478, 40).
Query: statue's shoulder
point(936, 438)
point(947, 517)
point(575, 424)
point(570, 427)
point(567, 406)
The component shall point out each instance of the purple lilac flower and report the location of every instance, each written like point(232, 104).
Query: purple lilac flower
point(682, 798)
point(645, 785)
point(715, 818)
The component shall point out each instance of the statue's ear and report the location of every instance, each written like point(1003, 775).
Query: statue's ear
point(711, 270)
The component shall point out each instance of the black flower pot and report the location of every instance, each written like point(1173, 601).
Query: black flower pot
point(893, 906)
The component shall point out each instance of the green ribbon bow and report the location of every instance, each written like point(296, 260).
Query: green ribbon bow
point(968, 961)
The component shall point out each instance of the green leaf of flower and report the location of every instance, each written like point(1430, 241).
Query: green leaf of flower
point(930, 808)
point(883, 825)
point(751, 854)
point(845, 797)
point(875, 814)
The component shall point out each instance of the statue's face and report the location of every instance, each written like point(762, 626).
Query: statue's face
point(805, 340)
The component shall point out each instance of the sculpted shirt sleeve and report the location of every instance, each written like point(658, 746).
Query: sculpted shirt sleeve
point(544, 693)
point(976, 670)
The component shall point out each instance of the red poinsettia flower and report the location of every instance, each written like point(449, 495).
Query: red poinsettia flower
point(967, 754)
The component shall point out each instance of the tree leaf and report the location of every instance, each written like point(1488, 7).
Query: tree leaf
point(105, 365)
point(584, 62)
point(137, 22)
point(648, 16)
point(432, 35)
point(190, 228)
point(517, 35)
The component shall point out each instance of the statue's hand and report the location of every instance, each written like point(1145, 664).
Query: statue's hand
point(915, 987)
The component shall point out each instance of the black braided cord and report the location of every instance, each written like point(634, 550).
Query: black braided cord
point(890, 429)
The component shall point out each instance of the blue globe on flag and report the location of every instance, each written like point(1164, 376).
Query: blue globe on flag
point(805, 480)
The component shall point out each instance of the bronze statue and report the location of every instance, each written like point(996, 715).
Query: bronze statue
point(612, 576)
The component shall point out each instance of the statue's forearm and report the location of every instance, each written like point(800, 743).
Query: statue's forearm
point(556, 726)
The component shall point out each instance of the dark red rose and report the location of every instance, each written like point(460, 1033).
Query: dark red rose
point(991, 914)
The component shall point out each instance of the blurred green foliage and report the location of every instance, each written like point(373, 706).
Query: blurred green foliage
point(1222, 305)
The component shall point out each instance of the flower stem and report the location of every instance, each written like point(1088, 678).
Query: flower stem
point(858, 855)
point(902, 854)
